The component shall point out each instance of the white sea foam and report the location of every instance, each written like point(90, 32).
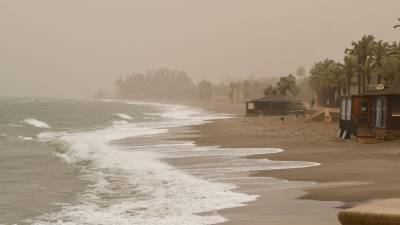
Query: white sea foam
point(49, 136)
point(136, 188)
point(14, 125)
point(32, 100)
point(226, 160)
point(133, 186)
point(151, 115)
point(36, 123)
point(25, 138)
point(123, 116)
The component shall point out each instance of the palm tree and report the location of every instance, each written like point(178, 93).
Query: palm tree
point(391, 69)
point(326, 79)
point(301, 72)
point(368, 69)
point(391, 65)
point(239, 89)
point(380, 51)
point(205, 89)
point(396, 48)
point(246, 92)
point(231, 93)
point(361, 50)
point(349, 68)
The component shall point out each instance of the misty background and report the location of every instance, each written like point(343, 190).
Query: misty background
point(72, 48)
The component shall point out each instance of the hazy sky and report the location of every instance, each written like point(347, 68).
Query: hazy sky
point(72, 47)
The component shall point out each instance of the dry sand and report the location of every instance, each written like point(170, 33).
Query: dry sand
point(350, 172)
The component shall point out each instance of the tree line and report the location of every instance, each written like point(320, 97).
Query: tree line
point(366, 64)
point(161, 83)
point(233, 91)
point(242, 90)
point(165, 83)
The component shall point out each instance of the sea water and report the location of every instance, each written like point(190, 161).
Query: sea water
point(64, 162)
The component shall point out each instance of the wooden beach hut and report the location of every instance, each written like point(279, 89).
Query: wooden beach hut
point(371, 114)
point(274, 106)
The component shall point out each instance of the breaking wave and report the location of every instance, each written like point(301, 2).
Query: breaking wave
point(36, 123)
point(123, 116)
point(135, 187)
point(132, 185)
point(25, 138)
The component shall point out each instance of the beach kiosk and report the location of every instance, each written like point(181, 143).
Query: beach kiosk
point(371, 114)
point(274, 106)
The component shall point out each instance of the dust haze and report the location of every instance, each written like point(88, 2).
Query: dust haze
point(72, 48)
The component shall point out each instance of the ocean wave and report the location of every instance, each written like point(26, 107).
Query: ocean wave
point(50, 136)
point(123, 116)
point(119, 123)
point(228, 160)
point(26, 138)
point(37, 123)
point(152, 114)
point(14, 125)
point(32, 100)
point(135, 187)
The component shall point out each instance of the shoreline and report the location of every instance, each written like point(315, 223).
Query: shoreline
point(350, 172)
point(347, 176)
point(276, 196)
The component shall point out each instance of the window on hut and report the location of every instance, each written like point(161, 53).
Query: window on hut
point(250, 105)
point(396, 107)
point(364, 106)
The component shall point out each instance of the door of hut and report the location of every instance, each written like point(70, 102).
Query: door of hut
point(363, 118)
point(378, 112)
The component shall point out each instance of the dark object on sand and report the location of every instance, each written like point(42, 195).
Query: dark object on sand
point(312, 103)
point(282, 119)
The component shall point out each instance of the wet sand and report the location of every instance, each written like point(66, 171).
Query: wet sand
point(350, 172)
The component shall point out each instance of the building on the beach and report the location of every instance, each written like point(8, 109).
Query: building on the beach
point(371, 114)
point(274, 106)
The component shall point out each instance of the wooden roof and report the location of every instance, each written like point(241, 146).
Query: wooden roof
point(275, 99)
point(394, 90)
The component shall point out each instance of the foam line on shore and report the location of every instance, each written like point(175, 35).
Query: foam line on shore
point(135, 187)
point(132, 185)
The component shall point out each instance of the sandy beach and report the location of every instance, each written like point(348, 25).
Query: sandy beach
point(350, 173)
